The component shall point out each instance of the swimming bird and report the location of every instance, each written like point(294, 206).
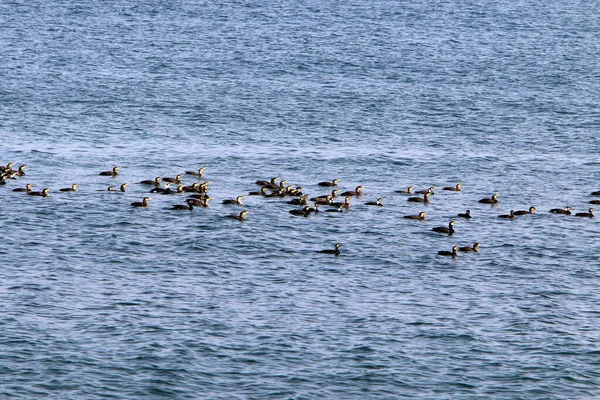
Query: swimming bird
point(263, 192)
point(305, 212)
point(73, 188)
point(143, 203)
point(237, 200)
point(189, 206)
point(596, 193)
point(466, 214)
point(43, 193)
point(442, 229)
point(420, 217)
point(508, 216)
point(490, 200)
point(168, 190)
point(177, 179)
point(346, 203)
point(449, 253)
point(21, 170)
point(424, 199)
point(475, 248)
point(272, 184)
point(200, 202)
point(531, 210)
point(429, 190)
point(27, 188)
point(589, 214)
point(378, 202)
point(565, 211)
point(327, 200)
point(332, 183)
point(456, 188)
point(199, 173)
point(302, 201)
point(114, 172)
point(594, 201)
point(159, 189)
point(240, 217)
point(358, 191)
point(8, 167)
point(195, 187)
point(155, 182)
point(333, 195)
point(338, 209)
point(335, 251)
point(408, 190)
point(203, 187)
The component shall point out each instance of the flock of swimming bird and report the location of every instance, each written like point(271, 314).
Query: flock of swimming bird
point(198, 196)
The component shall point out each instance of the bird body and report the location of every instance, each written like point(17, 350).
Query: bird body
point(490, 200)
point(335, 251)
point(449, 253)
point(420, 217)
point(447, 230)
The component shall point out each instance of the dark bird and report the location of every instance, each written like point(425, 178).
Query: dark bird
point(378, 202)
point(531, 210)
point(171, 191)
point(420, 217)
point(358, 191)
point(332, 183)
point(189, 206)
point(466, 214)
point(263, 192)
point(565, 211)
point(346, 203)
point(155, 182)
point(177, 179)
point(442, 229)
point(508, 216)
point(338, 209)
point(335, 251)
point(305, 212)
point(114, 172)
point(73, 188)
point(594, 201)
point(333, 195)
point(272, 184)
point(302, 201)
point(195, 187)
point(429, 190)
point(408, 190)
point(43, 193)
point(21, 170)
point(27, 188)
point(589, 214)
point(8, 167)
point(475, 248)
point(456, 188)
point(199, 173)
point(200, 202)
point(449, 253)
point(203, 187)
point(240, 217)
point(143, 203)
point(122, 188)
point(159, 189)
point(237, 200)
point(327, 200)
point(424, 199)
point(596, 193)
point(490, 200)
